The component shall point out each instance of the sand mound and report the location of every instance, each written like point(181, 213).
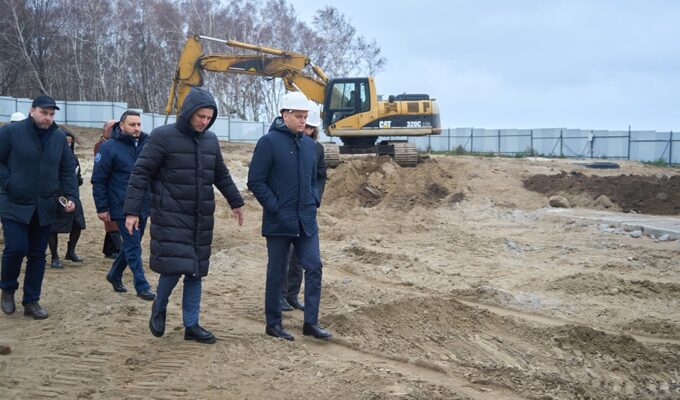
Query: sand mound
point(379, 181)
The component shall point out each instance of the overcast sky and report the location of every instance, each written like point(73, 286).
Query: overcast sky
point(528, 64)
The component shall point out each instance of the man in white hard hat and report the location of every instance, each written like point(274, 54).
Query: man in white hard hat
point(16, 117)
point(293, 278)
point(282, 176)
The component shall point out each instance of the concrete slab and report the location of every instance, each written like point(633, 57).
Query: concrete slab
point(656, 225)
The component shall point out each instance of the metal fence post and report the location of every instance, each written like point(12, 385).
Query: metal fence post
point(228, 129)
point(531, 142)
point(592, 144)
point(499, 141)
point(448, 139)
point(561, 143)
point(472, 139)
point(670, 150)
point(628, 142)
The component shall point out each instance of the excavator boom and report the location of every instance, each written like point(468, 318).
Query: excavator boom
point(288, 66)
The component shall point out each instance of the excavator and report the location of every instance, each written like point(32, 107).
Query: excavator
point(351, 109)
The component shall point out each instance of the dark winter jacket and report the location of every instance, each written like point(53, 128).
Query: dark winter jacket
point(33, 175)
point(181, 165)
point(283, 178)
point(321, 169)
point(64, 221)
point(112, 167)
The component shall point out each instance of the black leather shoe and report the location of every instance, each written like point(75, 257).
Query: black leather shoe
point(157, 322)
point(199, 334)
point(316, 331)
point(33, 309)
point(7, 302)
point(285, 306)
point(279, 332)
point(296, 304)
point(147, 294)
point(56, 264)
point(117, 285)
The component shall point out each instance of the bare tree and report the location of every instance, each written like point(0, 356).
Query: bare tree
point(345, 53)
point(127, 50)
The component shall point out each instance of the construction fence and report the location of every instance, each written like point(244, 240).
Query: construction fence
point(648, 146)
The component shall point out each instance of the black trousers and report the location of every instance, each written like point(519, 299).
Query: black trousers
point(292, 278)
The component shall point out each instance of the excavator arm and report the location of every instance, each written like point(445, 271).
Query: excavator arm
point(267, 61)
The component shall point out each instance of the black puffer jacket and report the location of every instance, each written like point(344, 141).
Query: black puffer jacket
point(181, 166)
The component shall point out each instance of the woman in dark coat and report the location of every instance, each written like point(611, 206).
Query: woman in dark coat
point(71, 223)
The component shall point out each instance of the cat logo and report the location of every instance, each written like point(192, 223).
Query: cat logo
point(385, 124)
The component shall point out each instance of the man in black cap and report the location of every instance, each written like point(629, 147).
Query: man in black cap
point(37, 175)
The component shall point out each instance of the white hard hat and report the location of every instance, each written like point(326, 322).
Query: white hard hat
point(313, 118)
point(17, 116)
point(294, 101)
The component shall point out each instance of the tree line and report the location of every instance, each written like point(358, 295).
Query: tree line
point(125, 50)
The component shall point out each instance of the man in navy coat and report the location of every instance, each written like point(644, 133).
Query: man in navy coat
point(282, 176)
point(36, 168)
point(112, 167)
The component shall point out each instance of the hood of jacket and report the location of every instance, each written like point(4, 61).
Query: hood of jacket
point(195, 100)
point(279, 125)
point(73, 140)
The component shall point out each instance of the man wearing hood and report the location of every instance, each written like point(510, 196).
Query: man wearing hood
point(283, 178)
point(36, 167)
point(112, 166)
point(180, 164)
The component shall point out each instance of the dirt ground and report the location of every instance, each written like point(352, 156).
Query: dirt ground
point(440, 282)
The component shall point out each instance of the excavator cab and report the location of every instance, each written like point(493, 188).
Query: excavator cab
point(345, 97)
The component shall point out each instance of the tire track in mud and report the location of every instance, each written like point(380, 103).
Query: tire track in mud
point(343, 350)
point(506, 311)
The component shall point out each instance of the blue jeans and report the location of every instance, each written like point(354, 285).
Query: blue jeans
point(29, 241)
point(191, 297)
point(307, 250)
point(130, 254)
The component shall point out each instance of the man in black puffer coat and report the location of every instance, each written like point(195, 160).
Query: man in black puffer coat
point(180, 164)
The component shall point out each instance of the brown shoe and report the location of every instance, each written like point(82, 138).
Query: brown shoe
point(7, 302)
point(33, 309)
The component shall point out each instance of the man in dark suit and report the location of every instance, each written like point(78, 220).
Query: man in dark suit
point(283, 178)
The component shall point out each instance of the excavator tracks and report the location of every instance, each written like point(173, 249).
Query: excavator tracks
point(405, 154)
point(331, 153)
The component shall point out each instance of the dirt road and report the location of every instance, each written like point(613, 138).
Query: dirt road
point(440, 282)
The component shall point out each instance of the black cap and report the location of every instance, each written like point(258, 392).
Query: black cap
point(44, 101)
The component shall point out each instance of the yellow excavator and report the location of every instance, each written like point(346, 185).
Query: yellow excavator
point(351, 109)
